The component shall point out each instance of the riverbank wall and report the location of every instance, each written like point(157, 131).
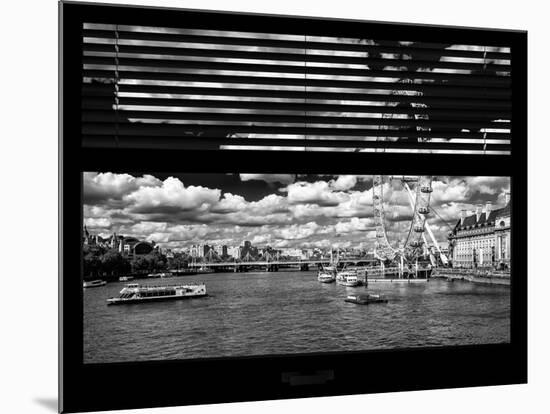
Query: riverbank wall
point(487, 277)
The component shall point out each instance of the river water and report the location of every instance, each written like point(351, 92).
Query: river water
point(290, 312)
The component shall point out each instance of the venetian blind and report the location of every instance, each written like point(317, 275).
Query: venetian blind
point(164, 87)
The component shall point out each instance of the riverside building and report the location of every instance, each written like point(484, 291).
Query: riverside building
point(482, 239)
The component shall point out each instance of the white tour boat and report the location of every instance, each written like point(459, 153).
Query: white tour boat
point(347, 278)
point(136, 293)
point(94, 283)
point(326, 276)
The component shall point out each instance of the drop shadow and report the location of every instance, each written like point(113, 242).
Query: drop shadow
point(49, 403)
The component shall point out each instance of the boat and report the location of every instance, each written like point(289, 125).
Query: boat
point(154, 275)
point(93, 283)
point(204, 270)
point(365, 299)
point(328, 273)
point(325, 276)
point(125, 278)
point(347, 278)
point(360, 271)
point(136, 293)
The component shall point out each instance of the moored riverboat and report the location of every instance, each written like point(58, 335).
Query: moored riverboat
point(136, 293)
point(347, 278)
point(327, 274)
point(93, 283)
point(204, 270)
point(325, 277)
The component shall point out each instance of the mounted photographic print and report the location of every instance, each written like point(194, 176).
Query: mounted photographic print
point(267, 207)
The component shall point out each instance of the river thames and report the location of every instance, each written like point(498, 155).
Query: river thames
point(290, 312)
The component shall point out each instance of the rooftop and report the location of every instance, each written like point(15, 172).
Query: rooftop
point(484, 219)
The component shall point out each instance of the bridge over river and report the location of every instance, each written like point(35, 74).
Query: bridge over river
point(364, 266)
point(274, 265)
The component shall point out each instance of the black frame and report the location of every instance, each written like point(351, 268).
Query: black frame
point(118, 385)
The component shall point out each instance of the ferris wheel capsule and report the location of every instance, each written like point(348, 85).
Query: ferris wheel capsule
point(426, 189)
point(423, 210)
point(419, 229)
point(416, 243)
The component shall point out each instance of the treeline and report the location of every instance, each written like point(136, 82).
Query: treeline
point(110, 264)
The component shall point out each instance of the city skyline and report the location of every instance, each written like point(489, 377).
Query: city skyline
point(277, 210)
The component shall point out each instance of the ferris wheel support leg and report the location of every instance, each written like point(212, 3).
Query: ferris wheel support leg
point(436, 244)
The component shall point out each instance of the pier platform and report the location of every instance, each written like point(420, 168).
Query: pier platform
point(488, 277)
point(395, 280)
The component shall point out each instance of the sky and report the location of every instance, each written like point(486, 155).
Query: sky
point(280, 210)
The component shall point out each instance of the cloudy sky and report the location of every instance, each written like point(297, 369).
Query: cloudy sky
point(282, 210)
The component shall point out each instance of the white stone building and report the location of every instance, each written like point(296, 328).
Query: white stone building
point(482, 239)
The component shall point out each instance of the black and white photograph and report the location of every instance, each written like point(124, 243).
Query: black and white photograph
point(278, 206)
point(187, 266)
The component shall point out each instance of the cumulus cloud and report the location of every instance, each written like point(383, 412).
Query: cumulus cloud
point(229, 203)
point(97, 222)
point(172, 196)
point(319, 192)
point(101, 187)
point(297, 231)
point(353, 225)
point(344, 182)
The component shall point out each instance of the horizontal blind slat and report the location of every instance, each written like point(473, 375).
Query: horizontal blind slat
point(104, 100)
point(450, 79)
point(209, 142)
point(178, 130)
point(177, 64)
point(297, 118)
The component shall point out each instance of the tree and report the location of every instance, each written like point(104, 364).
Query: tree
point(178, 261)
point(151, 262)
point(140, 264)
point(113, 263)
point(91, 264)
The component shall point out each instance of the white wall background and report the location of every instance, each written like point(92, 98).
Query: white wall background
point(28, 204)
